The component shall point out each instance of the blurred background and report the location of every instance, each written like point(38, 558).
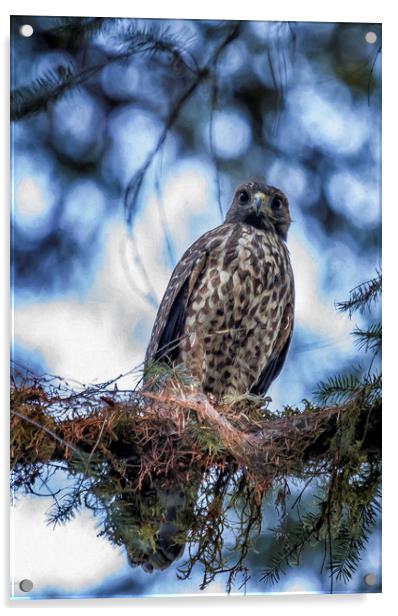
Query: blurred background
point(129, 138)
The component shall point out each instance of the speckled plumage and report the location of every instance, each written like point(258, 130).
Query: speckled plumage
point(227, 313)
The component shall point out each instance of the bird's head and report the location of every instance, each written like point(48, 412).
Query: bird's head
point(261, 206)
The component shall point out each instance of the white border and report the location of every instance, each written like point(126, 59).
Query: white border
point(305, 10)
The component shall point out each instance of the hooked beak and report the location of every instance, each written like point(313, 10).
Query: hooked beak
point(260, 203)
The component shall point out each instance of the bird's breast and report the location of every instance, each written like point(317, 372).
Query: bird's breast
point(235, 310)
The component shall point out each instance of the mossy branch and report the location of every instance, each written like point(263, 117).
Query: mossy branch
point(269, 445)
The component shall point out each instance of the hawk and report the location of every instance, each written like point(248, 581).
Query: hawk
point(227, 313)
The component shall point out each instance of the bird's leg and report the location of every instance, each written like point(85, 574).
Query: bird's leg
point(193, 356)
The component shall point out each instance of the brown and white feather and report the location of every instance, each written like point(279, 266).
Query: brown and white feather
point(229, 307)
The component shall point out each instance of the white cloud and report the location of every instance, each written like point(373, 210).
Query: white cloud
point(90, 340)
point(70, 556)
point(105, 334)
point(314, 311)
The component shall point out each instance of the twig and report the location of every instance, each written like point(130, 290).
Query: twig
point(134, 186)
point(48, 431)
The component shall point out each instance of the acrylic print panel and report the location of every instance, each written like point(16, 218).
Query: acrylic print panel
point(234, 446)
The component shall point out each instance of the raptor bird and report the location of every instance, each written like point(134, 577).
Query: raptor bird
point(227, 313)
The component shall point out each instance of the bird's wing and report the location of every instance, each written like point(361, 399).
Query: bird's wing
point(278, 355)
point(170, 318)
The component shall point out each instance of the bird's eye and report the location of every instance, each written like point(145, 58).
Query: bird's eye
point(277, 204)
point(244, 197)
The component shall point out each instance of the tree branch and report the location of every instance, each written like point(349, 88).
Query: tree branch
point(265, 446)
